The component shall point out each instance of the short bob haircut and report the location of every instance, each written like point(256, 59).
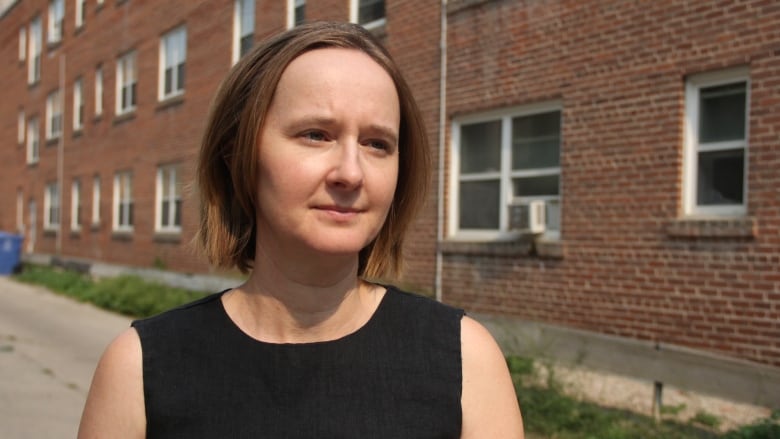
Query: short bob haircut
point(228, 161)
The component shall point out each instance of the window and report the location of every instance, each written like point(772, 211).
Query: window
point(22, 44)
point(243, 28)
point(502, 157)
point(19, 211)
point(126, 84)
point(34, 60)
point(56, 18)
point(123, 201)
point(296, 13)
point(173, 53)
point(51, 206)
point(96, 200)
point(20, 128)
point(716, 143)
point(99, 91)
point(32, 141)
point(368, 13)
point(81, 13)
point(168, 196)
point(78, 105)
point(75, 206)
point(53, 115)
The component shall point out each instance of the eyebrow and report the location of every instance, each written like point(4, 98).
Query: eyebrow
point(387, 133)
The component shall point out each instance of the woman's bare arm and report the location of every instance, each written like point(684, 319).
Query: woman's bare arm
point(489, 401)
point(115, 404)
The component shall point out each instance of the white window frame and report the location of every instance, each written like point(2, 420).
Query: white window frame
point(78, 104)
point(51, 207)
point(99, 91)
point(126, 82)
point(504, 175)
point(21, 123)
point(238, 30)
point(96, 200)
point(173, 53)
point(123, 185)
point(54, 116)
point(54, 30)
point(75, 206)
point(34, 49)
point(292, 5)
point(354, 15)
point(173, 174)
point(20, 211)
point(692, 146)
point(80, 15)
point(33, 141)
point(22, 43)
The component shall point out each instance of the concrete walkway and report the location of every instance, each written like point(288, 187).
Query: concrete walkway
point(49, 347)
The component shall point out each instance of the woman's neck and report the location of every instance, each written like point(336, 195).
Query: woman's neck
point(302, 303)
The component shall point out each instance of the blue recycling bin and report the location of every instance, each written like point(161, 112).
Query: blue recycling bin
point(10, 252)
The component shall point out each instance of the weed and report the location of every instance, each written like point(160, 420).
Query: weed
point(706, 419)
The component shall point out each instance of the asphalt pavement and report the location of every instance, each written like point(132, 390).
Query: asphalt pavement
point(49, 347)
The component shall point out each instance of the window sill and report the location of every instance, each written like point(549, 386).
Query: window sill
point(122, 235)
point(458, 5)
point(75, 233)
point(170, 101)
point(53, 45)
point(97, 118)
point(32, 164)
point(50, 232)
point(713, 228)
point(52, 141)
point(95, 227)
point(124, 117)
point(77, 132)
point(377, 27)
point(31, 85)
point(167, 237)
point(521, 247)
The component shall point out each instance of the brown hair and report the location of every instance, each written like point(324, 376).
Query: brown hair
point(227, 165)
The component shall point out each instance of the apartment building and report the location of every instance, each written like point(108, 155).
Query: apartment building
point(605, 171)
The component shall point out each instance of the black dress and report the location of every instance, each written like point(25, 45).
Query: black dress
point(399, 376)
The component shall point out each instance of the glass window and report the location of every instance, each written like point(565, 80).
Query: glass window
point(173, 53)
point(56, 20)
point(35, 47)
point(123, 201)
point(22, 44)
point(20, 126)
point(96, 200)
point(75, 206)
point(369, 13)
point(126, 83)
point(716, 143)
point(510, 157)
point(78, 105)
point(81, 12)
point(98, 91)
point(51, 202)
point(33, 141)
point(243, 28)
point(168, 194)
point(54, 115)
point(296, 12)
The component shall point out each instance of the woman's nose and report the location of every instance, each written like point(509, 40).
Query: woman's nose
point(347, 170)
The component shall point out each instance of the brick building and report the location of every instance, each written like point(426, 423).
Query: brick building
point(606, 171)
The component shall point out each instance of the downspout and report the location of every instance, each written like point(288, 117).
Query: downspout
point(61, 156)
point(442, 136)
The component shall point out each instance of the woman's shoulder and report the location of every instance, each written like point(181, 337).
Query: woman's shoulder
point(418, 303)
point(188, 312)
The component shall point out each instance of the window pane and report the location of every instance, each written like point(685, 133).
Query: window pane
point(371, 10)
point(300, 11)
point(180, 77)
point(168, 78)
point(165, 213)
point(177, 214)
point(479, 204)
point(536, 141)
point(535, 186)
point(246, 44)
point(553, 214)
point(721, 177)
point(480, 147)
point(722, 113)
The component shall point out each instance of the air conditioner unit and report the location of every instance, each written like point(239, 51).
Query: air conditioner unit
point(527, 216)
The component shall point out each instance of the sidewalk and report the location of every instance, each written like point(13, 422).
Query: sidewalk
point(49, 347)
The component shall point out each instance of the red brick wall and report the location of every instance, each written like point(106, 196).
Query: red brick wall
point(619, 70)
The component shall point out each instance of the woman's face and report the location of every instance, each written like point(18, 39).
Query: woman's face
point(328, 155)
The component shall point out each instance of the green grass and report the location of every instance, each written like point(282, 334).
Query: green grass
point(128, 295)
point(547, 412)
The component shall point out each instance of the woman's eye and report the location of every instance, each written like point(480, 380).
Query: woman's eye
point(315, 136)
point(378, 144)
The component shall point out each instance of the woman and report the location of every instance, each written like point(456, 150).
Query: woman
point(313, 163)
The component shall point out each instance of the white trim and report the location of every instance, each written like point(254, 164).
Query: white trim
point(34, 50)
point(80, 13)
point(20, 211)
point(21, 123)
point(354, 8)
point(504, 176)
point(99, 91)
point(51, 201)
point(33, 141)
point(125, 179)
point(75, 205)
point(238, 31)
point(692, 148)
point(22, 43)
point(96, 200)
point(56, 20)
point(54, 114)
point(78, 104)
point(126, 66)
point(174, 41)
point(291, 5)
point(172, 172)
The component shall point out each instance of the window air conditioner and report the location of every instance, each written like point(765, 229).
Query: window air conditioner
point(527, 216)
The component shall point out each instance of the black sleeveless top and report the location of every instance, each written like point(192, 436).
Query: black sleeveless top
point(399, 376)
